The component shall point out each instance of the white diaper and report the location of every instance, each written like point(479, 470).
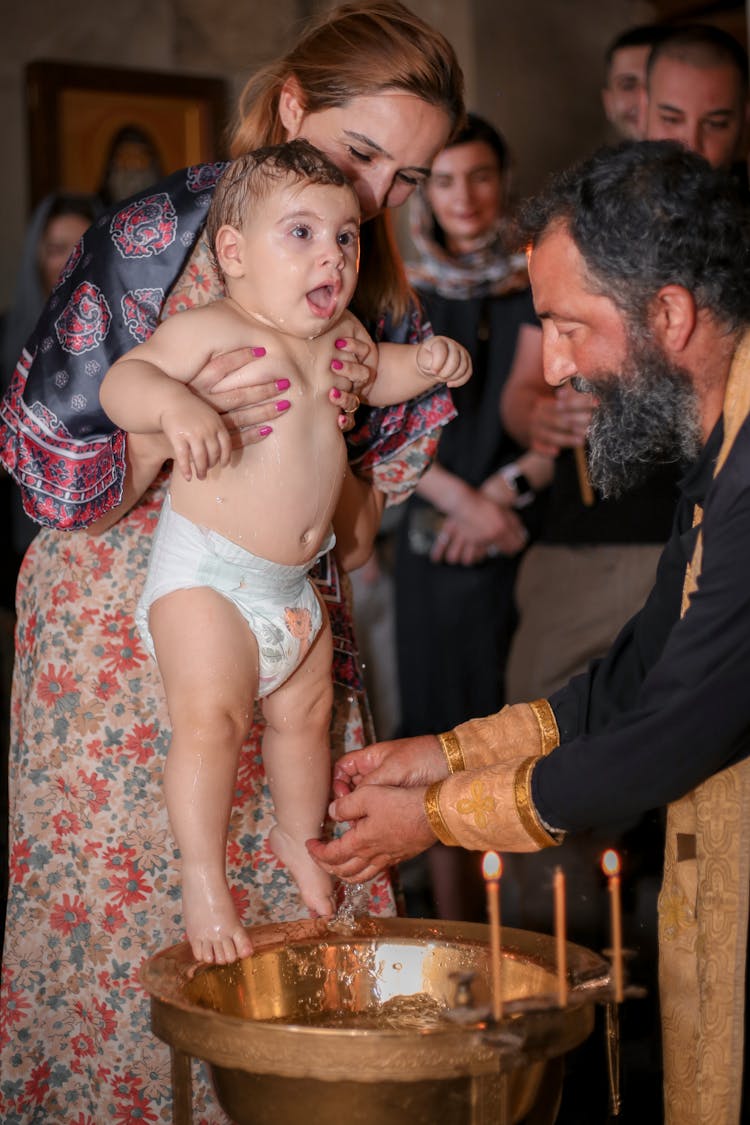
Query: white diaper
point(278, 602)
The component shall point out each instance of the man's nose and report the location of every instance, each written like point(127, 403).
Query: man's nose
point(557, 363)
point(691, 135)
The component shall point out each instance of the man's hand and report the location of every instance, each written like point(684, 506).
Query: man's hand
point(406, 762)
point(388, 826)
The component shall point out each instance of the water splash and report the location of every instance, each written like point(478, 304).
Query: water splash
point(352, 906)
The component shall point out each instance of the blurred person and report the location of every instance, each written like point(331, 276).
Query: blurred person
point(463, 531)
point(697, 93)
point(132, 163)
point(626, 61)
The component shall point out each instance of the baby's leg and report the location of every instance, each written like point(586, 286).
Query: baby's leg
point(208, 660)
point(297, 757)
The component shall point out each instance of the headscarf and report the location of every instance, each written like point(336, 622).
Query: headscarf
point(29, 297)
point(492, 270)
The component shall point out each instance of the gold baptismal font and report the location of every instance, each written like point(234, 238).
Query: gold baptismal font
point(379, 1022)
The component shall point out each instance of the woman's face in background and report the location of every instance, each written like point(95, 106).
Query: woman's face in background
point(465, 193)
point(60, 236)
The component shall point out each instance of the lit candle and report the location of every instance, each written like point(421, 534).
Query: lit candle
point(492, 869)
point(562, 960)
point(611, 868)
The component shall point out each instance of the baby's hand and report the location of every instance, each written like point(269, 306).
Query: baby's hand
point(197, 435)
point(444, 360)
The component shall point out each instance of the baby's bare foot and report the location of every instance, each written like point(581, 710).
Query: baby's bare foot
point(213, 927)
point(315, 884)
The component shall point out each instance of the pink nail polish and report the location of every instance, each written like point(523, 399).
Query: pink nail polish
point(258, 352)
point(336, 364)
point(283, 404)
point(264, 431)
point(339, 343)
point(335, 393)
point(282, 384)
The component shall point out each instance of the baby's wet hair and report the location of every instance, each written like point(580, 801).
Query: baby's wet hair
point(251, 178)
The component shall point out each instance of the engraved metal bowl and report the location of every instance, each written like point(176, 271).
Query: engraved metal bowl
point(300, 1032)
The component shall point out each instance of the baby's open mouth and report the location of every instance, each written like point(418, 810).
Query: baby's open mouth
point(324, 300)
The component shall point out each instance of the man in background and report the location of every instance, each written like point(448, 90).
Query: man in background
point(696, 93)
point(626, 61)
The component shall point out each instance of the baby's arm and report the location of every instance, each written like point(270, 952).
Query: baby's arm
point(407, 370)
point(146, 391)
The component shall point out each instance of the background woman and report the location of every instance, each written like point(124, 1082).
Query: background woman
point(92, 859)
point(459, 542)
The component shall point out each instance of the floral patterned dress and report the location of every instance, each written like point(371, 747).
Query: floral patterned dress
point(94, 872)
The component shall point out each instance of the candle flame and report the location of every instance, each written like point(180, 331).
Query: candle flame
point(492, 867)
point(611, 862)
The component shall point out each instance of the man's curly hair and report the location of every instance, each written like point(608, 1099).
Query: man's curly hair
point(648, 214)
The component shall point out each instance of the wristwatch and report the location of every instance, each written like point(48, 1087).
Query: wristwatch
point(518, 484)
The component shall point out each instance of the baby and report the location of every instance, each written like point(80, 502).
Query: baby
point(228, 608)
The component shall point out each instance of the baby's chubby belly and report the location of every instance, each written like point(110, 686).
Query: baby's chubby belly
point(277, 497)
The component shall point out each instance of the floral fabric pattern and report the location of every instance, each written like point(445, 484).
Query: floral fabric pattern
point(93, 869)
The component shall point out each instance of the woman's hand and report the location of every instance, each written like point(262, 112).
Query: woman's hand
point(354, 367)
point(246, 389)
point(477, 528)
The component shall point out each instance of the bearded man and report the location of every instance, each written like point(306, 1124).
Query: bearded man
point(640, 270)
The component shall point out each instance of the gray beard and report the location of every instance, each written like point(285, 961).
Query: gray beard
point(647, 416)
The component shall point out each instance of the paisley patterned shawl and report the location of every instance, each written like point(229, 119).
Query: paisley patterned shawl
point(55, 439)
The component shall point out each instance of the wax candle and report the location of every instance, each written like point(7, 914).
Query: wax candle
point(611, 868)
point(562, 959)
point(492, 869)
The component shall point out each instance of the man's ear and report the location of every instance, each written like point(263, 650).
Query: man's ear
point(673, 317)
point(229, 248)
point(291, 107)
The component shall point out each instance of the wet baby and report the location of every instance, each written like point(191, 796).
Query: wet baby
point(228, 608)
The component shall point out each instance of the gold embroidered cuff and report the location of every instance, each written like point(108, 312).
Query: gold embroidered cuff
point(527, 814)
point(545, 717)
point(435, 816)
point(451, 747)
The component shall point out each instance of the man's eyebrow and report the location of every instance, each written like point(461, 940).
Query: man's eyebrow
point(719, 112)
point(369, 143)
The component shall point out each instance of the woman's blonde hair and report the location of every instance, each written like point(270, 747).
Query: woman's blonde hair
point(357, 50)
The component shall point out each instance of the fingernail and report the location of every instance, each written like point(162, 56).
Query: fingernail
point(335, 392)
point(336, 364)
point(258, 352)
point(283, 404)
point(339, 344)
point(282, 384)
point(264, 431)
